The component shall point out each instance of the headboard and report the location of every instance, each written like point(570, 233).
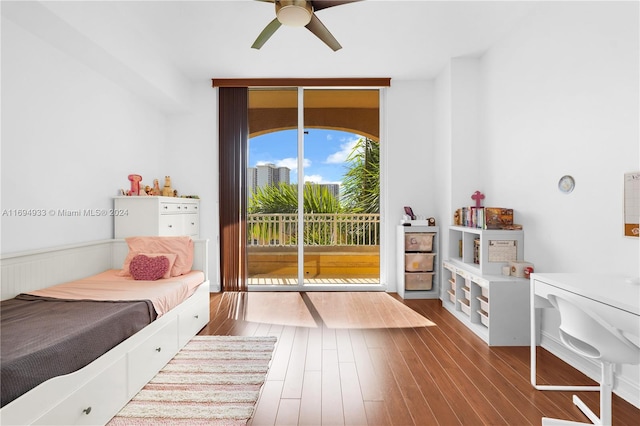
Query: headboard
point(35, 269)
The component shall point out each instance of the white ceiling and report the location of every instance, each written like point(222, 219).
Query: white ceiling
point(212, 39)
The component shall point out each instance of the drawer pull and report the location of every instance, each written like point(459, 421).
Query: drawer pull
point(193, 223)
point(87, 410)
point(179, 207)
point(165, 207)
point(158, 349)
point(196, 316)
point(170, 226)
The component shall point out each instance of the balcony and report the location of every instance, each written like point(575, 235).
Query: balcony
point(339, 248)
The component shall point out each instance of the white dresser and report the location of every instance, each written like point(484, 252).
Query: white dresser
point(161, 216)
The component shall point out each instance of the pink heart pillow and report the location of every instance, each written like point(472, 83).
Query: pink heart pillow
point(148, 268)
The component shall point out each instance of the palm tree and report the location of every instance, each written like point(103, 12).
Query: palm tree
point(361, 184)
point(283, 198)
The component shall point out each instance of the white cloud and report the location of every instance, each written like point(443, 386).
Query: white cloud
point(292, 163)
point(341, 156)
point(313, 178)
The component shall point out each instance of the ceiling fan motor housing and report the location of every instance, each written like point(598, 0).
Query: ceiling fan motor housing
point(294, 13)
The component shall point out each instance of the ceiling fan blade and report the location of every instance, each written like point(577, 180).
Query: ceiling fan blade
point(266, 34)
point(323, 4)
point(320, 31)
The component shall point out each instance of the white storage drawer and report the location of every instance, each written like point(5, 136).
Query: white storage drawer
point(171, 225)
point(150, 356)
point(191, 224)
point(195, 316)
point(178, 207)
point(93, 403)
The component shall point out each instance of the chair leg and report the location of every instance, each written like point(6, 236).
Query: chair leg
point(586, 410)
point(546, 421)
point(606, 389)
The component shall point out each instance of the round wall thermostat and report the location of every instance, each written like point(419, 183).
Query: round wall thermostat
point(566, 184)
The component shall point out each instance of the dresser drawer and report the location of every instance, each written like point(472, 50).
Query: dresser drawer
point(150, 356)
point(171, 225)
point(94, 403)
point(191, 224)
point(178, 207)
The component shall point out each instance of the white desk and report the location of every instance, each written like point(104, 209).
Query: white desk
point(614, 298)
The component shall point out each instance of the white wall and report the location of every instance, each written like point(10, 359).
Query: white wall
point(192, 150)
point(558, 95)
point(70, 137)
point(561, 97)
point(408, 176)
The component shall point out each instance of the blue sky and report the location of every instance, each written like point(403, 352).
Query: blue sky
point(325, 152)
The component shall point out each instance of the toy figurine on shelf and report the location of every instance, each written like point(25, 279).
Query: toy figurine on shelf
point(156, 188)
point(135, 184)
point(167, 191)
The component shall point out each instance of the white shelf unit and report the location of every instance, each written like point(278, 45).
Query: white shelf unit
point(418, 276)
point(494, 307)
point(493, 246)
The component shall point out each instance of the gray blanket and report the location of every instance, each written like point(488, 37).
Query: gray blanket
point(41, 338)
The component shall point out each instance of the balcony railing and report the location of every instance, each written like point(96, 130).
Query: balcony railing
point(320, 229)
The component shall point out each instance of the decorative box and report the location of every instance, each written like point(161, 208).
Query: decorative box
point(518, 269)
point(498, 217)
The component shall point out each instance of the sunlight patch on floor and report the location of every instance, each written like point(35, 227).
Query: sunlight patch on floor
point(282, 308)
point(365, 310)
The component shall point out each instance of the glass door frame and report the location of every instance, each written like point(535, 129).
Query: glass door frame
point(301, 285)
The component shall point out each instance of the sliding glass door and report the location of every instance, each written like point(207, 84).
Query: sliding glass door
point(313, 197)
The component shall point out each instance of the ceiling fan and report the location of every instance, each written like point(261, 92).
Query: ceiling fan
point(301, 13)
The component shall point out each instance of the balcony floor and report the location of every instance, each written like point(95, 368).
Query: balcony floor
point(294, 281)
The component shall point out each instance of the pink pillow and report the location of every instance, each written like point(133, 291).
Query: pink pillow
point(171, 256)
point(182, 247)
point(148, 268)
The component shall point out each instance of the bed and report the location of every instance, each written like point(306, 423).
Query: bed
point(148, 333)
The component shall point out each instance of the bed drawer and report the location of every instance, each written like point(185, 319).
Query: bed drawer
point(94, 403)
point(194, 317)
point(146, 359)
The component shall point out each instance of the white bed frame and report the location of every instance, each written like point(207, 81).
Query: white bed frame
point(95, 393)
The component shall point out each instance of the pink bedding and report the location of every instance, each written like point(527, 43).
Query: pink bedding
point(165, 294)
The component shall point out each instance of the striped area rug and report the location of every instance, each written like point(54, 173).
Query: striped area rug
point(213, 380)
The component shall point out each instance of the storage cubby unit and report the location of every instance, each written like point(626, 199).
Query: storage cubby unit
point(485, 251)
point(418, 262)
point(495, 307)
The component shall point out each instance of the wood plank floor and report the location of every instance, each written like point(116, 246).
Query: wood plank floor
point(363, 358)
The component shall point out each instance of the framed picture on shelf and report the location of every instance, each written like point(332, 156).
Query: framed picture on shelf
point(409, 212)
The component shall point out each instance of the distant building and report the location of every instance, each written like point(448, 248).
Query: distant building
point(332, 188)
point(266, 174)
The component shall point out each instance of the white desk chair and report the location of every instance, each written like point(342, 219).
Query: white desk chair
point(591, 337)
